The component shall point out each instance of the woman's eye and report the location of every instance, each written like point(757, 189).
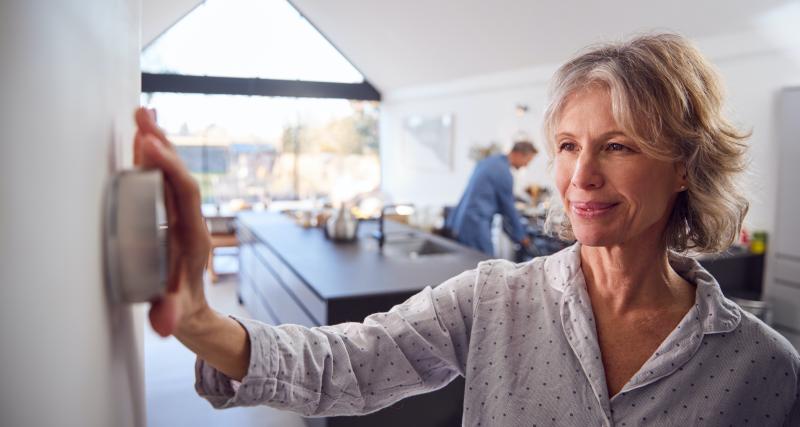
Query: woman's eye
point(615, 146)
point(566, 146)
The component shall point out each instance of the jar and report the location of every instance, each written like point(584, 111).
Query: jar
point(758, 244)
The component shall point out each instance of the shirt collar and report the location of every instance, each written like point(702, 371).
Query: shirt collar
point(714, 312)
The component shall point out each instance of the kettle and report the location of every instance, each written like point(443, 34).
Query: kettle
point(342, 226)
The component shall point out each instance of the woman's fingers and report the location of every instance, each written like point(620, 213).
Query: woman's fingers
point(153, 149)
point(164, 314)
point(176, 246)
point(145, 121)
point(183, 187)
point(188, 235)
point(137, 148)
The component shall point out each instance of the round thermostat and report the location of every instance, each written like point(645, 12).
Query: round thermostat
point(135, 236)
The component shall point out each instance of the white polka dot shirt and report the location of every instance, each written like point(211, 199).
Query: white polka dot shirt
point(523, 336)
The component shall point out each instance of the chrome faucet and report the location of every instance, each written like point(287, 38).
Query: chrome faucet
point(380, 234)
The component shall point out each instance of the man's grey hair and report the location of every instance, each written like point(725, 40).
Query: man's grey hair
point(524, 147)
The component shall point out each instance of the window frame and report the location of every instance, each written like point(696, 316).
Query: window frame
point(213, 85)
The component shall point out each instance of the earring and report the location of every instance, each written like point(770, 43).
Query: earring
point(683, 188)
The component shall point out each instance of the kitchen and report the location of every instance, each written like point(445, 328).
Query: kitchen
point(485, 85)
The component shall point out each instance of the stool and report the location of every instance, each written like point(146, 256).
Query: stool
point(219, 241)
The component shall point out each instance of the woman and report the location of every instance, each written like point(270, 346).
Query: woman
point(618, 329)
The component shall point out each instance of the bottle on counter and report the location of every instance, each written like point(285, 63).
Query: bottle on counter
point(758, 244)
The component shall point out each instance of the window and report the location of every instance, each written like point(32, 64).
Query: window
point(247, 38)
point(251, 150)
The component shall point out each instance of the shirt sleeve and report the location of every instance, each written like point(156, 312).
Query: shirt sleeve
point(354, 368)
point(505, 201)
point(793, 417)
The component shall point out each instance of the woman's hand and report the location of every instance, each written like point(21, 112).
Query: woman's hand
point(183, 311)
point(184, 304)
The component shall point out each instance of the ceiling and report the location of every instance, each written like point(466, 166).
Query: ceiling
point(159, 15)
point(398, 44)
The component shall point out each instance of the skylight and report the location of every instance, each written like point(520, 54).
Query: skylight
point(266, 39)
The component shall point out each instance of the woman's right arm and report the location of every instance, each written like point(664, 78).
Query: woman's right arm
point(351, 368)
point(219, 340)
point(354, 368)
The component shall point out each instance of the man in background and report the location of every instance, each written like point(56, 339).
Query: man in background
point(490, 191)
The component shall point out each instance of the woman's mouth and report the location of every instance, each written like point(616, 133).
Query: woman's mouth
point(590, 210)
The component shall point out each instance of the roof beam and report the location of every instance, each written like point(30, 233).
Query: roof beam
point(177, 83)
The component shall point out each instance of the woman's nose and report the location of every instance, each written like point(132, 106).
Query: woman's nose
point(587, 174)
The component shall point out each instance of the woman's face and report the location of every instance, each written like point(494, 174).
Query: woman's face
point(612, 192)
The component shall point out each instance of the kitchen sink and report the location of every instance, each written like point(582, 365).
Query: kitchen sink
point(414, 248)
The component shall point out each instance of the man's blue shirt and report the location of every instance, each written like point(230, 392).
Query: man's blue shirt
point(490, 191)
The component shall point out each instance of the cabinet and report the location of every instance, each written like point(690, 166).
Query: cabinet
point(274, 293)
point(783, 290)
point(271, 291)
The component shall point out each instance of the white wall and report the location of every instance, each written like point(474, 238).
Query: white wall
point(69, 83)
point(753, 68)
point(484, 111)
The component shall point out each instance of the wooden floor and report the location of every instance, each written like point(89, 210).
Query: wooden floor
point(169, 375)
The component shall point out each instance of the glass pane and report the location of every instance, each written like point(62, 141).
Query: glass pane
point(253, 150)
point(247, 38)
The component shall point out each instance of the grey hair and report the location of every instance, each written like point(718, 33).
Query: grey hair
point(668, 98)
point(524, 147)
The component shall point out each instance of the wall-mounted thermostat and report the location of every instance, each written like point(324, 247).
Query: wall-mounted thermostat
point(135, 236)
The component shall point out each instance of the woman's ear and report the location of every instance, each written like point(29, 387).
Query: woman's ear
point(682, 181)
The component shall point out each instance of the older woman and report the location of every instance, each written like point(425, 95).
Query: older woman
point(619, 329)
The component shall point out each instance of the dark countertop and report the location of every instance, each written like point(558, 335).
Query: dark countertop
point(356, 269)
point(740, 274)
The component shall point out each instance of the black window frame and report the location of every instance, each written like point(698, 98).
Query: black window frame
point(212, 85)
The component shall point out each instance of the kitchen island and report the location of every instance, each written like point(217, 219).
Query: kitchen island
point(290, 274)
